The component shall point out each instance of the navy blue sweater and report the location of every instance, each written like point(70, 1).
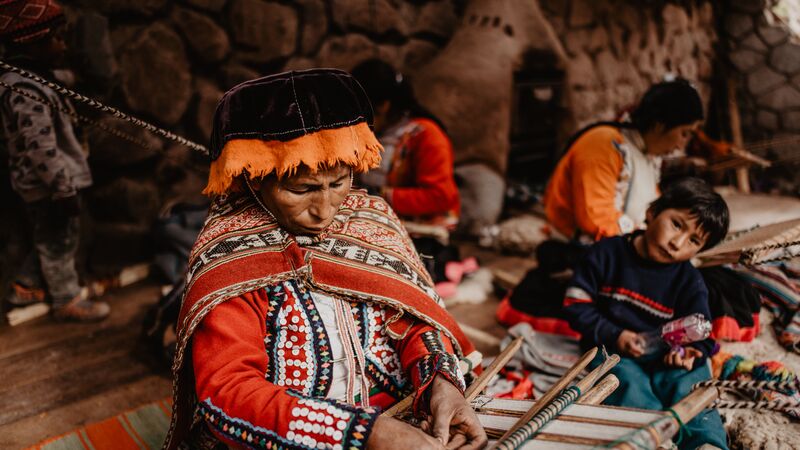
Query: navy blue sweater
point(615, 289)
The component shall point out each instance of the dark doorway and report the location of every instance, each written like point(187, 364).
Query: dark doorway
point(536, 114)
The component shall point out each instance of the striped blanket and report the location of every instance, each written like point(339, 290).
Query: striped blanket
point(779, 285)
point(143, 428)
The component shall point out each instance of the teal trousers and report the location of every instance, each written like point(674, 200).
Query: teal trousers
point(649, 384)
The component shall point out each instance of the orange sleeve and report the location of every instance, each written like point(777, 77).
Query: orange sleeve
point(596, 168)
point(434, 190)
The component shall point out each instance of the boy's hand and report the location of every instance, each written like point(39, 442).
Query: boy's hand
point(683, 359)
point(629, 344)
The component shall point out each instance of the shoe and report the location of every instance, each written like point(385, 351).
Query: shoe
point(82, 310)
point(22, 295)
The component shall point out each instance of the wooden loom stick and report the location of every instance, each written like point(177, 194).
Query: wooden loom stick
point(591, 378)
point(551, 393)
point(657, 432)
point(600, 391)
point(402, 406)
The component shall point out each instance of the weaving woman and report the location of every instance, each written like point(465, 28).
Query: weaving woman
point(307, 309)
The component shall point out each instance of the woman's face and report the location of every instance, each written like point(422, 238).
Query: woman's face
point(305, 203)
point(660, 141)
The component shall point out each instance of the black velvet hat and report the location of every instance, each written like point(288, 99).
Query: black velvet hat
point(317, 117)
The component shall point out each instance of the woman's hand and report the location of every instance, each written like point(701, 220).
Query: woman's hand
point(683, 359)
point(629, 344)
point(452, 420)
point(389, 433)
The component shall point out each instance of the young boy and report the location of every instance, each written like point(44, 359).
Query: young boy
point(47, 164)
point(636, 283)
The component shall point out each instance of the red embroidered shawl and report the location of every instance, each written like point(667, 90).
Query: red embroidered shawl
point(365, 254)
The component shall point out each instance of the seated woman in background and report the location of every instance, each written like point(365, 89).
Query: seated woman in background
point(416, 173)
point(610, 172)
point(307, 308)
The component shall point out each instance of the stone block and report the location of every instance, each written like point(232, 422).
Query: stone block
point(772, 34)
point(784, 97)
point(208, 95)
point(315, 25)
point(265, 30)
point(143, 7)
point(234, 73)
point(299, 63)
point(108, 151)
point(608, 68)
point(746, 60)
point(748, 6)
point(345, 52)
point(575, 41)
point(376, 16)
point(155, 75)
point(675, 19)
point(767, 120)
point(207, 40)
point(125, 200)
point(791, 120)
point(92, 47)
point(752, 41)
point(208, 5)
point(416, 53)
point(763, 79)
point(581, 73)
point(437, 18)
point(581, 14)
point(737, 25)
point(786, 58)
point(598, 40)
point(687, 68)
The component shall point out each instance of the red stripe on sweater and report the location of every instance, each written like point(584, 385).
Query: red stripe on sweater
point(608, 290)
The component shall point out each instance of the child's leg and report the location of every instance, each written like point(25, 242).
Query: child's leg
point(635, 390)
point(672, 385)
point(55, 238)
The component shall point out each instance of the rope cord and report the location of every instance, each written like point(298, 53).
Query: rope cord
point(781, 386)
point(78, 117)
point(683, 432)
point(525, 432)
point(104, 108)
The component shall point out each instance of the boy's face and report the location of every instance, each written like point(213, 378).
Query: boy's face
point(673, 236)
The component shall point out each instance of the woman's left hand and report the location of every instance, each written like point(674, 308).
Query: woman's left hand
point(452, 420)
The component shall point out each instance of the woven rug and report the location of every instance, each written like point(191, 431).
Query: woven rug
point(139, 429)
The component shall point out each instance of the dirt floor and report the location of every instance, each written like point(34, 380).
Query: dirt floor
point(59, 376)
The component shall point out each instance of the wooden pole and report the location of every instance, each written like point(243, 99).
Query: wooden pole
point(600, 391)
point(742, 176)
point(551, 393)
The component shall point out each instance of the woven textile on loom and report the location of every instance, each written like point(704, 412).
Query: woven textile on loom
point(734, 367)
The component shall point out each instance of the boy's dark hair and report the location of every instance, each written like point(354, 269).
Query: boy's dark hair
point(672, 103)
point(702, 202)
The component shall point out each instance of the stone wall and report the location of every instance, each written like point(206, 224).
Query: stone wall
point(764, 55)
point(170, 61)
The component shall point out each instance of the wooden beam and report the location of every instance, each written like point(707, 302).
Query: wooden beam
point(742, 174)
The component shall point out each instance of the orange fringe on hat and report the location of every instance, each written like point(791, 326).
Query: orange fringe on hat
point(355, 146)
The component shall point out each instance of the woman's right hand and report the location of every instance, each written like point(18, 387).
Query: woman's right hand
point(389, 433)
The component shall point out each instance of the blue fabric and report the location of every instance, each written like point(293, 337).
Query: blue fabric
point(646, 383)
point(615, 289)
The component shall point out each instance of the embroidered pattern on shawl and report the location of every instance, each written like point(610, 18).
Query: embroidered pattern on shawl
point(242, 249)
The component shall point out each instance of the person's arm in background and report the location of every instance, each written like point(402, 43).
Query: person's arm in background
point(34, 120)
point(596, 168)
point(435, 190)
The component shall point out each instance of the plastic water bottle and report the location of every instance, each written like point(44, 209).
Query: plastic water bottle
point(676, 334)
